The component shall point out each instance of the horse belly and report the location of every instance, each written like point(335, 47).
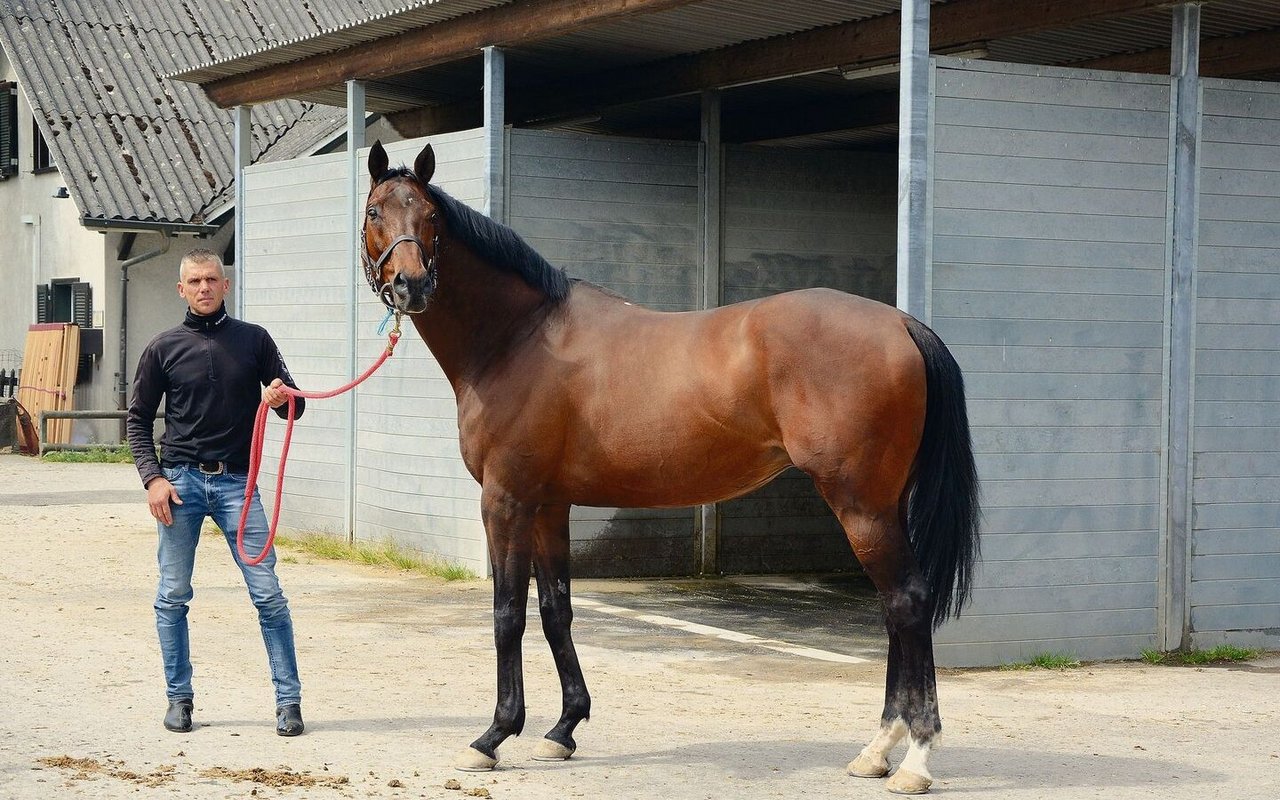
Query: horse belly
point(652, 462)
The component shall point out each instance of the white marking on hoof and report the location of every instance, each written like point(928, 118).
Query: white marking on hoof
point(907, 782)
point(548, 750)
point(868, 765)
point(472, 760)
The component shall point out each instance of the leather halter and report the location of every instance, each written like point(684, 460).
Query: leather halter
point(373, 269)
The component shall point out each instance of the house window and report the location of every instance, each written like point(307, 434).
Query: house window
point(71, 300)
point(41, 161)
point(65, 300)
point(8, 129)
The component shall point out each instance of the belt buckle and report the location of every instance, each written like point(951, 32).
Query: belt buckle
point(212, 467)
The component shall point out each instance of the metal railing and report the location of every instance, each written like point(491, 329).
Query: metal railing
point(47, 446)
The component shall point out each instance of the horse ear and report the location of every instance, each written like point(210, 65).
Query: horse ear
point(377, 161)
point(425, 165)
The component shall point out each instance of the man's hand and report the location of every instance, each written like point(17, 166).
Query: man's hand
point(275, 396)
point(159, 494)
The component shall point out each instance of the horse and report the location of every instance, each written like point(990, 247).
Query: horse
point(568, 394)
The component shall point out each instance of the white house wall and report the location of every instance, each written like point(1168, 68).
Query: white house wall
point(41, 238)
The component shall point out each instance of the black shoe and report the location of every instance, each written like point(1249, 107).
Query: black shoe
point(289, 720)
point(178, 717)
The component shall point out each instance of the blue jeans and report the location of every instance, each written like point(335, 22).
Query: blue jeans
point(220, 497)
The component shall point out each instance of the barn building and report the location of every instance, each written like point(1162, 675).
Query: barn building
point(1082, 198)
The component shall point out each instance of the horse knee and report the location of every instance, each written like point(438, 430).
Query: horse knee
point(508, 623)
point(908, 606)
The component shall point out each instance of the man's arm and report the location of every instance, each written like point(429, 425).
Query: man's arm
point(271, 368)
point(148, 387)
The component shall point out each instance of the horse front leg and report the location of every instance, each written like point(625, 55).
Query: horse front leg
point(551, 568)
point(508, 524)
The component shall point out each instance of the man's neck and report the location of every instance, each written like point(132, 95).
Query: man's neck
point(209, 322)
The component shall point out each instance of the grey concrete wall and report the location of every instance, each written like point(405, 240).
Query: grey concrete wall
point(1235, 559)
point(1049, 284)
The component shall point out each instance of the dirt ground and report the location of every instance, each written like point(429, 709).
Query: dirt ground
point(398, 677)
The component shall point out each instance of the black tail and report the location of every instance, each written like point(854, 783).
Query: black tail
point(942, 517)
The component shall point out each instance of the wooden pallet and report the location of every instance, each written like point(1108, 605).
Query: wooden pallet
point(49, 363)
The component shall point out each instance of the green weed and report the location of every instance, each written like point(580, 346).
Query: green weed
point(379, 554)
point(1215, 655)
point(1154, 656)
point(98, 455)
point(1046, 661)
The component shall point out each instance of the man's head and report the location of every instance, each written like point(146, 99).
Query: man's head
point(202, 281)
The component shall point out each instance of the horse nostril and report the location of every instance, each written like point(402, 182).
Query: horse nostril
point(400, 282)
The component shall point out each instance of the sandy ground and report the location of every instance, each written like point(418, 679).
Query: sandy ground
point(398, 677)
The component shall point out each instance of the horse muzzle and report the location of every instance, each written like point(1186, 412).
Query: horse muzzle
point(410, 295)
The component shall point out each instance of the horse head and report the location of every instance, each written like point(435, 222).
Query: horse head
point(400, 237)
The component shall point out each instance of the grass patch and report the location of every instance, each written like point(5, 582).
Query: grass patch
point(98, 455)
point(1222, 654)
point(378, 554)
point(1154, 656)
point(1215, 655)
point(1046, 661)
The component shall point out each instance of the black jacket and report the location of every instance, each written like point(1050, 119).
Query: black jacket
point(211, 371)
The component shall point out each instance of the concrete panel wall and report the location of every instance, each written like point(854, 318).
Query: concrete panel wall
point(295, 275)
point(1049, 284)
point(411, 484)
point(1235, 562)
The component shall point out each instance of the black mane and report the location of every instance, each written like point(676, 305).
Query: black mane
point(494, 242)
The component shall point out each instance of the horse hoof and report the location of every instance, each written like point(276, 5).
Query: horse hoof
point(550, 750)
point(868, 766)
point(906, 782)
point(472, 760)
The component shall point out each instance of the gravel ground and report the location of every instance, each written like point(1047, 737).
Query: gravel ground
point(398, 677)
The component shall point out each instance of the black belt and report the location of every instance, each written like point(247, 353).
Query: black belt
point(208, 467)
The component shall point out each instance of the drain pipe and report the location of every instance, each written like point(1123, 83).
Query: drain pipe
point(122, 386)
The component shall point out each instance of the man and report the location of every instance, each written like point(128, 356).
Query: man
point(210, 370)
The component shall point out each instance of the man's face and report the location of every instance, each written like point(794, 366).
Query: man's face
point(203, 287)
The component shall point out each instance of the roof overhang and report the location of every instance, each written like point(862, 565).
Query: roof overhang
point(149, 226)
point(638, 67)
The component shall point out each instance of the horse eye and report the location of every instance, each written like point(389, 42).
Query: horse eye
point(372, 212)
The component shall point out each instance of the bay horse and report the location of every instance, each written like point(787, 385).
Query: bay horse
point(568, 394)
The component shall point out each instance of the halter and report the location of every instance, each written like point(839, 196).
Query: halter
point(373, 269)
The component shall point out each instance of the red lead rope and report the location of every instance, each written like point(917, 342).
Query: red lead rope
point(259, 434)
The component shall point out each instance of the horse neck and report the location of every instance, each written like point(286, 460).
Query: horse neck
point(477, 313)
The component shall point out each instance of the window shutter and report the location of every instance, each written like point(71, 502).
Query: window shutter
point(8, 130)
point(82, 304)
point(44, 303)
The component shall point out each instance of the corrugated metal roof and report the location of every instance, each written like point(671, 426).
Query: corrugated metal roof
point(130, 144)
point(367, 20)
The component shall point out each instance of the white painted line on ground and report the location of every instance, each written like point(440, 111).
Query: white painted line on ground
point(718, 633)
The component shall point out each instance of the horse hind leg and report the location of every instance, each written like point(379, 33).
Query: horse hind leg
point(551, 569)
point(879, 540)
